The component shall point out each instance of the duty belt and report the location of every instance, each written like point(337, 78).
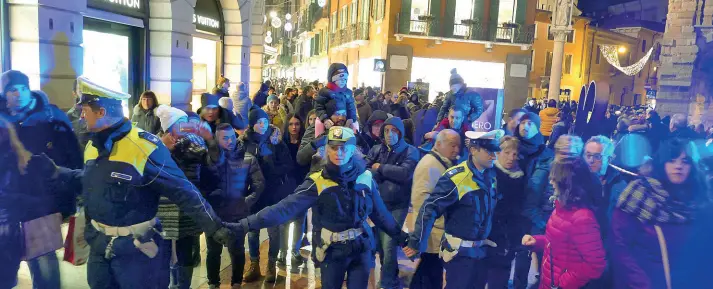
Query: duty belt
point(464, 243)
point(133, 230)
point(347, 235)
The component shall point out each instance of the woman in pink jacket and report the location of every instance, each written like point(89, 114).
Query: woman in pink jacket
point(573, 251)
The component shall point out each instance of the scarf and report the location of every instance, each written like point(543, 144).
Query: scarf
point(333, 87)
point(648, 201)
point(529, 147)
point(512, 174)
point(346, 173)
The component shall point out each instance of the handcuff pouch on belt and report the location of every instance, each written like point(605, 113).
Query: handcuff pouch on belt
point(142, 233)
point(328, 237)
point(450, 245)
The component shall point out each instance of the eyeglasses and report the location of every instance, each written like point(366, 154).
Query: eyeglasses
point(596, 157)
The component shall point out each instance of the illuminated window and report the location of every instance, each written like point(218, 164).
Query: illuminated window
point(506, 11)
point(334, 22)
point(548, 63)
point(343, 14)
point(364, 15)
point(106, 61)
point(567, 69)
point(355, 12)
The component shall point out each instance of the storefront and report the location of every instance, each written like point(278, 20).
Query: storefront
point(207, 48)
point(437, 72)
point(114, 42)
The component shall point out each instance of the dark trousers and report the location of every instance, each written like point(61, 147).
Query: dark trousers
point(355, 266)
point(129, 268)
point(10, 257)
point(254, 244)
point(298, 231)
point(429, 273)
point(237, 259)
point(465, 273)
point(388, 252)
point(499, 268)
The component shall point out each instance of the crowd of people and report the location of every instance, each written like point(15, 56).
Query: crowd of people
point(530, 205)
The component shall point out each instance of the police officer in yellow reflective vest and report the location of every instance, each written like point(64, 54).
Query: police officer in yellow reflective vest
point(342, 196)
point(466, 196)
point(125, 172)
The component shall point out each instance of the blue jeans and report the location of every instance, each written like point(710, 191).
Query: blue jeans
point(10, 256)
point(388, 253)
point(45, 271)
point(254, 243)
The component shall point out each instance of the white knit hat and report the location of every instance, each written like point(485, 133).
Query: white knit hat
point(226, 102)
point(168, 115)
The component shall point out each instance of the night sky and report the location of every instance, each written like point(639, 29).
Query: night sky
point(593, 5)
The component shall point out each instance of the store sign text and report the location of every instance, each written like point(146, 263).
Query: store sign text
point(205, 21)
point(135, 4)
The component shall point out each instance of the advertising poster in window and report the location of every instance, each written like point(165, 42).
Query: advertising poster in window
point(492, 109)
point(106, 61)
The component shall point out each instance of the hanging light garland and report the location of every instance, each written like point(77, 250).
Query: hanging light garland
point(611, 54)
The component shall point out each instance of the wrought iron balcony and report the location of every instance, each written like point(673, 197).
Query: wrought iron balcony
point(468, 29)
point(352, 35)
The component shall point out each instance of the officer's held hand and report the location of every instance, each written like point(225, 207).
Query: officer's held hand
point(238, 229)
point(224, 235)
point(410, 252)
point(44, 165)
point(528, 240)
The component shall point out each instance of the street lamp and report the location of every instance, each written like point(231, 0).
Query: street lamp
point(622, 49)
point(288, 26)
point(273, 14)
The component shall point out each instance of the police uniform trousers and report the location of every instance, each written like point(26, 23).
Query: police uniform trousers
point(465, 273)
point(129, 267)
point(352, 258)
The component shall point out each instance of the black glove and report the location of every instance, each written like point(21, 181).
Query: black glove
point(402, 239)
point(43, 165)
point(239, 228)
point(319, 141)
point(224, 236)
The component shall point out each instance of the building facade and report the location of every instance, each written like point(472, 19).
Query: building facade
point(488, 42)
point(134, 45)
point(584, 62)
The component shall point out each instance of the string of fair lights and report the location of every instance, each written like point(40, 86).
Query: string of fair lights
point(277, 22)
point(611, 54)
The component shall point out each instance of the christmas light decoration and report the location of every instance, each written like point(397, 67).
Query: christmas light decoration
point(611, 54)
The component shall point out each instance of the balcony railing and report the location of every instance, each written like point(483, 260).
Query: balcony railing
point(466, 29)
point(349, 35)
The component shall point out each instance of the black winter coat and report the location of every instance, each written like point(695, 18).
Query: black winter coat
point(234, 184)
point(276, 164)
point(46, 129)
point(146, 119)
point(509, 224)
point(396, 166)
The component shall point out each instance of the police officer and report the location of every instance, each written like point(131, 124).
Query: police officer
point(466, 195)
point(342, 196)
point(125, 172)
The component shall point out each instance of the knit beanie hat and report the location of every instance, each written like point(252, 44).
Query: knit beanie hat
point(226, 102)
point(168, 116)
point(533, 117)
point(13, 77)
point(256, 114)
point(455, 78)
point(336, 68)
point(209, 100)
point(333, 106)
point(273, 97)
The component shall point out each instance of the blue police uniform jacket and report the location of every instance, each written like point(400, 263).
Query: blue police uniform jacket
point(126, 170)
point(336, 206)
point(467, 199)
